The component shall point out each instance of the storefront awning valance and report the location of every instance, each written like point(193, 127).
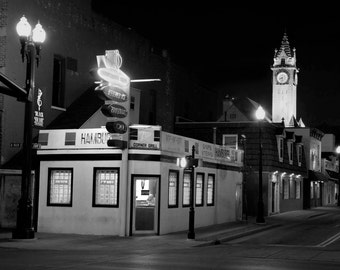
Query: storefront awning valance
point(317, 176)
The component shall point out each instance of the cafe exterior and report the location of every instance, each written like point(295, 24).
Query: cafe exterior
point(87, 187)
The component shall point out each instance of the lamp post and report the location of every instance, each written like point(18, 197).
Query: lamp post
point(245, 173)
point(189, 163)
point(191, 232)
point(30, 48)
point(260, 114)
point(337, 150)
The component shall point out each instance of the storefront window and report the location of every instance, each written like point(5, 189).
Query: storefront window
point(292, 188)
point(285, 189)
point(173, 190)
point(199, 189)
point(311, 190)
point(186, 189)
point(106, 186)
point(211, 190)
point(297, 189)
point(60, 187)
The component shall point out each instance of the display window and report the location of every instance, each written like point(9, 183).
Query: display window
point(211, 190)
point(60, 184)
point(173, 189)
point(106, 187)
point(199, 189)
point(186, 189)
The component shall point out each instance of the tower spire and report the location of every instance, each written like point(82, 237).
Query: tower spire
point(285, 46)
point(284, 56)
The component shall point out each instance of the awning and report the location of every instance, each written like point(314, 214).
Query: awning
point(334, 176)
point(317, 176)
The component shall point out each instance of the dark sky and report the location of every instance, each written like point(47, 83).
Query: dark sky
point(231, 47)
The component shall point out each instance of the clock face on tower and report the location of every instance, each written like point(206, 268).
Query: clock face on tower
point(282, 77)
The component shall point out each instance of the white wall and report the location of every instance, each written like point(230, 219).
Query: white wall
point(81, 218)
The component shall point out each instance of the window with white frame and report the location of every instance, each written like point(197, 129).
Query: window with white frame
point(106, 187)
point(186, 189)
point(230, 140)
point(173, 190)
point(60, 187)
point(199, 189)
point(211, 190)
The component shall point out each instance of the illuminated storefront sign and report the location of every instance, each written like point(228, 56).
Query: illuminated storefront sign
point(114, 89)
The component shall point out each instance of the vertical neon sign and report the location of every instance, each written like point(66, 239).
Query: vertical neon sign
point(114, 89)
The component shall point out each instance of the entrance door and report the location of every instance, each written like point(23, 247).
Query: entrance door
point(145, 205)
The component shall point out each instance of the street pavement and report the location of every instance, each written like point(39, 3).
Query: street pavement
point(211, 235)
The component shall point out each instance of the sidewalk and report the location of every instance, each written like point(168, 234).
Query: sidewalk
point(209, 235)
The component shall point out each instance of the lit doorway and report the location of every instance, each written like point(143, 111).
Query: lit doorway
point(145, 204)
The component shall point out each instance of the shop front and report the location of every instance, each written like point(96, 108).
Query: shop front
point(86, 187)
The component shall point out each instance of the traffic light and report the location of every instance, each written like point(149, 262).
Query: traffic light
point(187, 162)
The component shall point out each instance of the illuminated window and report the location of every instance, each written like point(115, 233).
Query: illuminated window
point(186, 189)
point(106, 187)
point(311, 190)
point(211, 190)
point(199, 189)
point(173, 190)
point(60, 187)
point(292, 189)
point(298, 189)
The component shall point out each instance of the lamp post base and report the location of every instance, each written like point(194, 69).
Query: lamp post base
point(24, 233)
point(191, 235)
point(24, 228)
point(260, 218)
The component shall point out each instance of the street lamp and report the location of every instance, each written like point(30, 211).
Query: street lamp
point(260, 114)
point(189, 163)
point(31, 42)
point(337, 150)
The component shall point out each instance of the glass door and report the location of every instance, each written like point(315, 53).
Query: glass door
point(145, 205)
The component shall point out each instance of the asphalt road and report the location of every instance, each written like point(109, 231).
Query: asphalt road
point(307, 242)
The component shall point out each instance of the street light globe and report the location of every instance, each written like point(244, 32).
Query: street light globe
point(39, 34)
point(260, 113)
point(337, 150)
point(23, 27)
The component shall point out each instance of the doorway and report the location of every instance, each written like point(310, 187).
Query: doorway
point(145, 204)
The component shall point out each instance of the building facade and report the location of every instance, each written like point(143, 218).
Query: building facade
point(86, 187)
point(283, 160)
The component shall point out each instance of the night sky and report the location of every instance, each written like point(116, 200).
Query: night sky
point(231, 48)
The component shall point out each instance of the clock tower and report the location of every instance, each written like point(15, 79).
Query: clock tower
point(284, 83)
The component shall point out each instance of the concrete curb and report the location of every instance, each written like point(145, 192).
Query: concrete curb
point(219, 238)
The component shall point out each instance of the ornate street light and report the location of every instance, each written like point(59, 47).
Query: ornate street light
point(189, 163)
point(31, 42)
point(260, 115)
